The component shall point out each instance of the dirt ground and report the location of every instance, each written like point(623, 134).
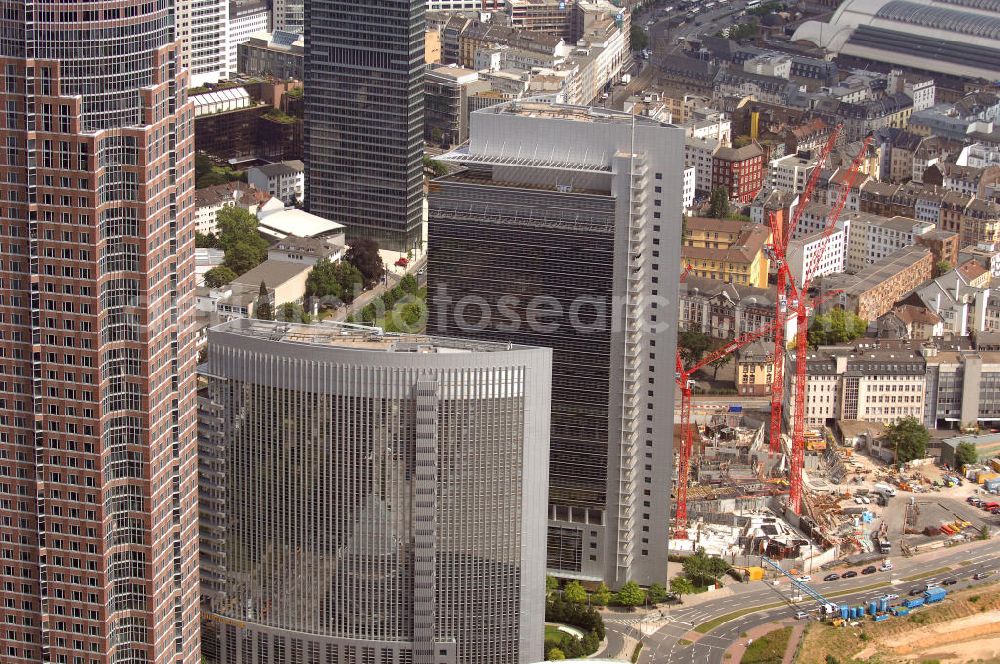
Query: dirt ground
point(963, 628)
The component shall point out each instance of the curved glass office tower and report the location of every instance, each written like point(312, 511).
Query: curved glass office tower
point(372, 498)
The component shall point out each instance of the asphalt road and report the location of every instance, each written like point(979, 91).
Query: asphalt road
point(662, 647)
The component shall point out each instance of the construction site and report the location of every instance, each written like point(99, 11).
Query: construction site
point(757, 483)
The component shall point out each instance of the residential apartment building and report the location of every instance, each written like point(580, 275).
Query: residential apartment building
point(726, 311)
point(726, 250)
point(740, 171)
point(698, 154)
point(284, 180)
point(755, 369)
point(870, 238)
point(862, 382)
point(279, 54)
point(980, 222)
point(210, 200)
point(98, 447)
point(201, 30)
point(246, 19)
point(401, 506)
point(791, 172)
point(543, 189)
point(874, 290)
point(365, 169)
point(817, 254)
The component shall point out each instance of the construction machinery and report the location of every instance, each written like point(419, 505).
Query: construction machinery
point(686, 385)
point(781, 232)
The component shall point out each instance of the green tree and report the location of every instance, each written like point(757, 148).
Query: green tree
point(433, 167)
point(719, 363)
point(601, 596)
point(243, 257)
point(908, 437)
point(206, 241)
point(630, 595)
point(966, 454)
point(703, 569)
point(681, 585)
point(292, 312)
point(638, 37)
point(412, 316)
point(409, 284)
point(693, 344)
point(718, 206)
point(363, 254)
point(836, 327)
point(263, 309)
point(941, 267)
point(551, 583)
point(556, 655)
point(575, 593)
point(656, 593)
point(219, 276)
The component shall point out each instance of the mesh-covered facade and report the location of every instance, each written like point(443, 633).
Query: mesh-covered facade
point(372, 498)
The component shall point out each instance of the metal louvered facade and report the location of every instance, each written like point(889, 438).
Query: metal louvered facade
point(372, 499)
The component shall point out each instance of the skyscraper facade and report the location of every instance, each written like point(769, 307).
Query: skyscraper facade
point(201, 32)
point(364, 117)
point(372, 498)
point(562, 229)
point(98, 465)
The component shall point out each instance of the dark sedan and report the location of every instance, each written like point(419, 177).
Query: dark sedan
point(869, 570)
point(831, 577)
point(849, 574)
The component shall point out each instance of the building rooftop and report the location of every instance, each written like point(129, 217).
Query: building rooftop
point(217, 194)
point(280, 223)
point(744, 248)
point(557, 111)
point(739, 154)
point(877, 273)
point(271, 273)
point(290, 167)
point(353, 336)
point(308, 246)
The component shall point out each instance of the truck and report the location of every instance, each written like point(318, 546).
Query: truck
point(886, 490)
point(626, 79)
point(884, 546)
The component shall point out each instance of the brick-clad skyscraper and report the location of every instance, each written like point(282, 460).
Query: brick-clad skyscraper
point(98, 470)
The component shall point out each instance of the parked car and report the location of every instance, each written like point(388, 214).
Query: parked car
point(982, 575)
point(831, 577)
point(849, 574)
point(889, 597)
point(949, 582)
point(866, 500)
point(871, 569)
point(802, 615)
point(804, 578)
point(857, 499)
point(915, 591)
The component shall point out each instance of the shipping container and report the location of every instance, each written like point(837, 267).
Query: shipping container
point(935, 595)
point(914, 603)
point(900, 610)
point(882, 616)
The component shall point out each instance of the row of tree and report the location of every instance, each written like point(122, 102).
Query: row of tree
point(630, 595)
point(410, 315)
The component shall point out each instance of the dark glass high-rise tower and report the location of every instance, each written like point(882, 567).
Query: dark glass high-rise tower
point(364, 114)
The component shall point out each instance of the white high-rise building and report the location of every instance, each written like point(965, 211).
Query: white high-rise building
point(201, 30)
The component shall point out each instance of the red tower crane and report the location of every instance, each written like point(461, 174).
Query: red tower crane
point(781, 232)
point(801, 333)
point(684, 381)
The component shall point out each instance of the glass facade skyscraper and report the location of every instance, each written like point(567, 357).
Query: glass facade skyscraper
point(371, 498)
point(364, 117)
point(98, 463)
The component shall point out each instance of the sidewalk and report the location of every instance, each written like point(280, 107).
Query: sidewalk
point(735, 652)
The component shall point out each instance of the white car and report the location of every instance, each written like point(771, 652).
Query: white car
point(857, 500)
point(804, 578)
point(890, 597)
point(802, 615)
point(865, 500)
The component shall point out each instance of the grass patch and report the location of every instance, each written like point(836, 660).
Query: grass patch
point(556, 634)
point(684, 642)
point(635, 653)
point(768, 649)
point(924, 575)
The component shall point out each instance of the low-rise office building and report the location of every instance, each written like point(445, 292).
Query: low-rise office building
point(279, 54)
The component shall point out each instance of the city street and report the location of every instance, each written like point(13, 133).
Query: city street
point(662, 646)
